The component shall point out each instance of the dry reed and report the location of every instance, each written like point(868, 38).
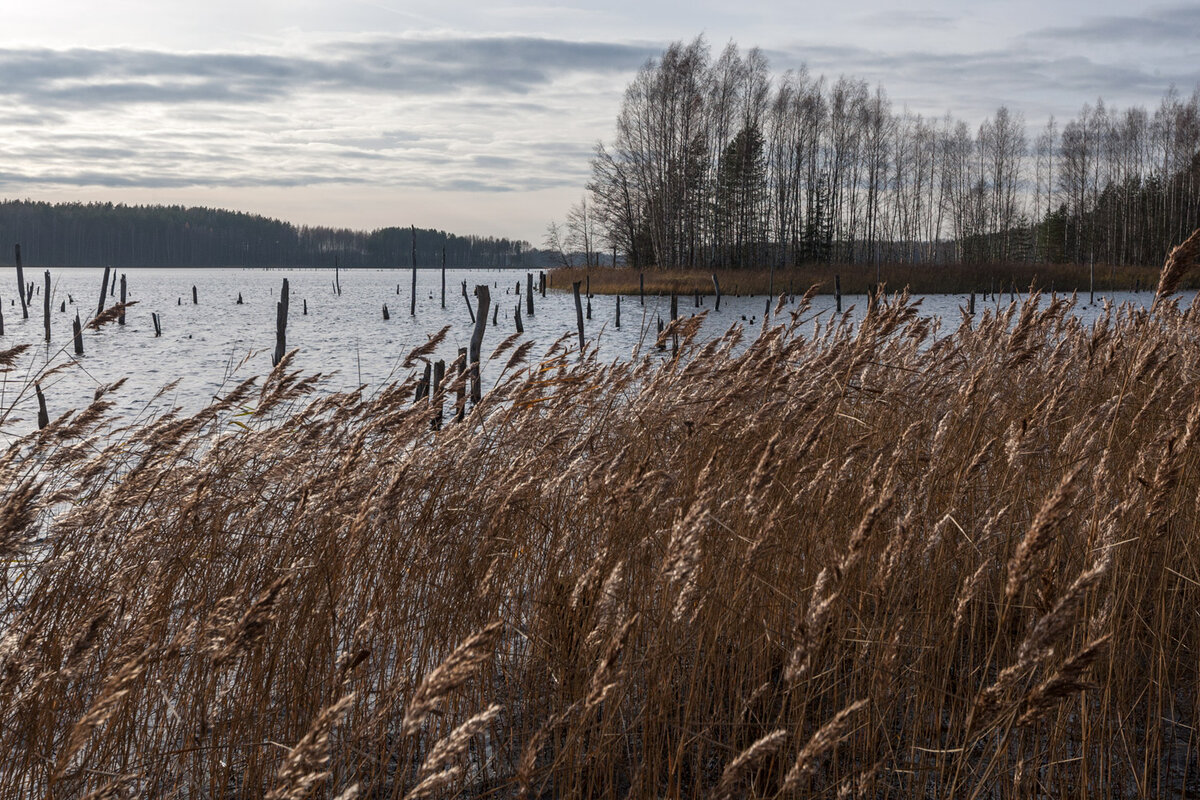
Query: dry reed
point(817, 560)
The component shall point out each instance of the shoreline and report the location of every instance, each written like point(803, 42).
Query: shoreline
point(859, 279)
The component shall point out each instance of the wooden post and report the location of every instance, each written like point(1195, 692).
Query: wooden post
point(517, 317)
point(21, 284)
point(529, 293)
point(460, 400)
point(412, 306)
point(484, 296)
point(971, 304)
point(195, 299)
point(157, 326)
point(103, 291)
point(467, 300)
point(435, 396)
point(78, 329)
point(542, 281)
point(423, 384)
point(337, 278)
point(386, 316)
point(62, 309)
point(46, 308)
point(1091, 282)
point(121, 319)
point(281, 315)
point(578, 314)
point(443, 277)
point(1, 317)
point(306, 306)
point(495, 314)
point(588, 291)
point(43, 415)
point(717, 288)
point(618, 312)
point(837, 291)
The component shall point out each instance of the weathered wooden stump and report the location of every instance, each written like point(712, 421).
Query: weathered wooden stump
point(46, 308)
point(281, 315)
point(21, 283)
point(484, 296)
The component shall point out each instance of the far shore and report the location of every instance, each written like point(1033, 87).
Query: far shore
point(859, 278)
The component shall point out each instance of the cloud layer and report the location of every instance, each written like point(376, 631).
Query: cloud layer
point(437, 115)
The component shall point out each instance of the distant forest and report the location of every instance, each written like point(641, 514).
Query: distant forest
point(720, 163)
point(103, 234)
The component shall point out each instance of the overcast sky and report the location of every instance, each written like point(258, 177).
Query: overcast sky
point(479, 117)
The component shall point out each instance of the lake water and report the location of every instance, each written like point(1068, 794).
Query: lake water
point(346, 335)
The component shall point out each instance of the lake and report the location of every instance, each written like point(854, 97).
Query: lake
point(208, 345)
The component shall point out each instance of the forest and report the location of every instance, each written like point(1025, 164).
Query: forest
point(720, 163)
point(103, 234)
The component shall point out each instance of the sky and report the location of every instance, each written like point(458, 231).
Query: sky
point(481, 117)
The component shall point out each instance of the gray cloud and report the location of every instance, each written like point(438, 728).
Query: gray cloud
point(1180, 24)
point(88, 78)
point(968, 83)
point(157, 180)
point(903, 18)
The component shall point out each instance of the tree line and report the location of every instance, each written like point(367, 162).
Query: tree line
point(720, 163)
point(103, 234)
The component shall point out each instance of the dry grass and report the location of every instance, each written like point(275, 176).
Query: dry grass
point(826, 561)
point(856, 278)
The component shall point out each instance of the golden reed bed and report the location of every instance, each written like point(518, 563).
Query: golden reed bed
point(837, 562)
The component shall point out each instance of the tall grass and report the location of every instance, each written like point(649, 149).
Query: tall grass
point(811, 560)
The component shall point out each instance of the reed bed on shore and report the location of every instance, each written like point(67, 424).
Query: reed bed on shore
point(857, 278)
point(808, 560)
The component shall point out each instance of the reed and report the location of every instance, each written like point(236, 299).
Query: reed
point(816, 559)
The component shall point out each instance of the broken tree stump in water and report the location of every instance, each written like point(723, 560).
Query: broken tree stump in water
point(103, 291)
point(435, 397)
point(423, 384)
point(578, 314)
point(43, 415)
point(484, 296)
point(21, 284)
point(281, 315)
point(46, 308)
point(467, 300)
